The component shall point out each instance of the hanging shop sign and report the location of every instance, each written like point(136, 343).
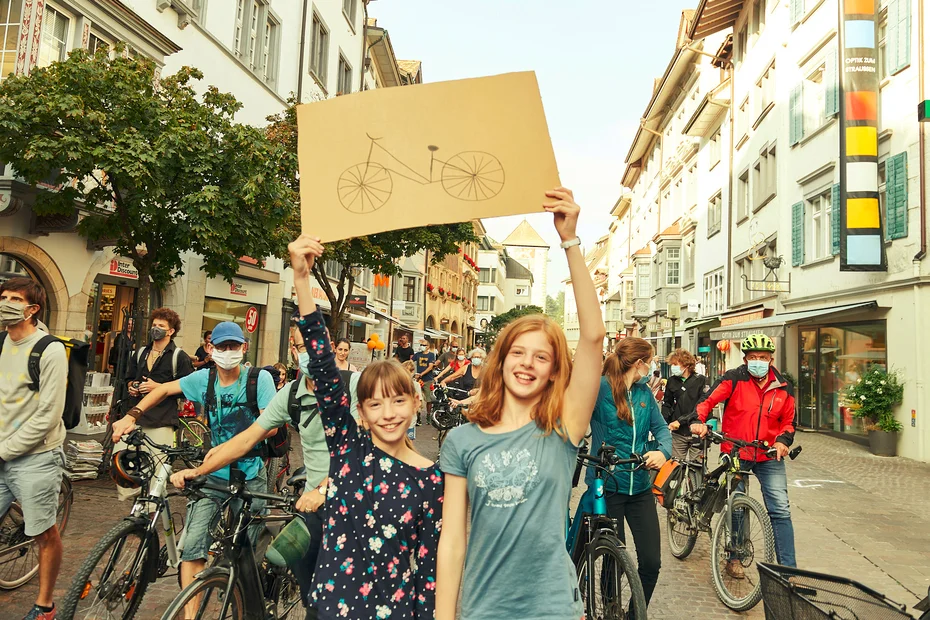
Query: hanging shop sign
point(358, 301)
point(770, 282)
point(123, 268)
point(861, 240)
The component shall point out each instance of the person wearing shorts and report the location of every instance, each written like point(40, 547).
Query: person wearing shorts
point(32, 431)
point(426, 371)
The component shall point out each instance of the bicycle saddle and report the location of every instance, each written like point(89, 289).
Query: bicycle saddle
point(299, 477)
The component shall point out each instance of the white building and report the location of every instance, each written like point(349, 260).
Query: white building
point(492, 272)
point(258, 50)
point(527, 247)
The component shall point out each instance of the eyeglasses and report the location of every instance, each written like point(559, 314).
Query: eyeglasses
point(300, 348)
point(228, 346)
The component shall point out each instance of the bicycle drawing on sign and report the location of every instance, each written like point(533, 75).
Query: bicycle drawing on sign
point(469, 176)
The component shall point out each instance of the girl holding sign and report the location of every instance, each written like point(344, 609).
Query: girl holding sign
point(384, 501)
point(513, 464)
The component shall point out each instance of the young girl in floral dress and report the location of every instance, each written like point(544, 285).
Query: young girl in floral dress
point(384, 501)
point(509, 472)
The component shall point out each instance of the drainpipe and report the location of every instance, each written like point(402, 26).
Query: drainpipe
point(918, 325)
point(363, 69)
point(921, 140)
point(300, 61)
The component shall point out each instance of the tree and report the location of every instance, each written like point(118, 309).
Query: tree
point(380, 253)
point(153, 168)
point(501, 320)
point(555, 307)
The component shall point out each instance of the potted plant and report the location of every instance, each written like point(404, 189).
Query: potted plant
point(873, 398)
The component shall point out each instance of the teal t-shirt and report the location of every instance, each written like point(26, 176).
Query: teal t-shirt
point(231, 415)
point(519, 485)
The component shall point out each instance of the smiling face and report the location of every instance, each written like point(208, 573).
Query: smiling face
point(528, 365)
point(388, 415)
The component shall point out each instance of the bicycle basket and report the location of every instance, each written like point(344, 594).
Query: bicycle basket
point(793, 594)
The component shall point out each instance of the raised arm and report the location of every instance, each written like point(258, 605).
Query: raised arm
point(586, 372)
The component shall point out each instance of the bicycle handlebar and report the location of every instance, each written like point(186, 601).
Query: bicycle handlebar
point(606, 457)
point(137, 437)
point(194, 485)
point(770, 452)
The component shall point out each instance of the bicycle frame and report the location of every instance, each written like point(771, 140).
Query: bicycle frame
point(158, 495)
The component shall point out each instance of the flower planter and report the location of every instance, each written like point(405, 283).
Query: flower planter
point(883, 443)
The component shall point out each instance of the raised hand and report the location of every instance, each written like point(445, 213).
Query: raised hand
point(304, 251)
point(565, 210)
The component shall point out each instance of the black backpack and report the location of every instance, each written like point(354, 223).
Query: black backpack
point(273, 447)
point(295, 409)
point(76, 353)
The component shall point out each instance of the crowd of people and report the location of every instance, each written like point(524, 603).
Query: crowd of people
point(394, 534)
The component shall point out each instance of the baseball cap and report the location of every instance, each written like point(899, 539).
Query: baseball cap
point(227, 331)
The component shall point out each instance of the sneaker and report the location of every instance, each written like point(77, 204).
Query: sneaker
point(37, 614)
point(735, 569)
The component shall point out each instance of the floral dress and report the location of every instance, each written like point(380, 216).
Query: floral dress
point(383, 517)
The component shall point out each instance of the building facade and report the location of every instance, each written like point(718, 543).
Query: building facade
point(527, 247)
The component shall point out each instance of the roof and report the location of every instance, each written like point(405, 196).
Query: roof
point(671, 231)
point(525, 236)
point(714, 104)
point(595, 256)
point(516, 271)
point(643, 252)
point(712, 16)
point(386, 64)
point(410, 68)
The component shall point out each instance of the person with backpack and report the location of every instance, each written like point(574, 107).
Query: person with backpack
point(31, 428)
point(232, 397)
point(160, 361)
point(295, 406)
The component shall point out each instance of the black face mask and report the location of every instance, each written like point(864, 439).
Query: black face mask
point(157, 333)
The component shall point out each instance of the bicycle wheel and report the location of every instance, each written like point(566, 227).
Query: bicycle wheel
point(443, 419)
point(289, 605)
point(747, 539)
point(272, 469)
point(193, 432)
point(616, 592)
point(113, 579)
point(682, 533)
point(206, 596)
point(473, 175)
point(364, 188)
point(19, 556)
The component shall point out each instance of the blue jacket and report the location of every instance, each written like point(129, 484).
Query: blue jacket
point(607, 428)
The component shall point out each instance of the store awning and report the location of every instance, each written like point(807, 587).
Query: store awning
point(361, 319)
point(438, 334)
point(383, 316)
point(697, 324)
point(774, 326)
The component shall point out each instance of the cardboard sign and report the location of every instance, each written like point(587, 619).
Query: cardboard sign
point(359, 355)
point(395, 158)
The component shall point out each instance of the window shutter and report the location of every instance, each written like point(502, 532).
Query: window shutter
point(797, 11)
point(835, 217)
point(902, 57)
point(796, 127)
point(896, 196)
point(831, 79)
point(797, 234)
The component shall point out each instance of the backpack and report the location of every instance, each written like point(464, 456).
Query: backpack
point(272, 447)
point(295, 409)
point(76, 353)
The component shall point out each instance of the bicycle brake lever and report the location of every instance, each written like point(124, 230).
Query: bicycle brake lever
point(795, 452)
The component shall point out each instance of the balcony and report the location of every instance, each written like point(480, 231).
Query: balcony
point(410, 312)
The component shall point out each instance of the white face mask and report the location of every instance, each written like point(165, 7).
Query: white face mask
point(423, 348)
point(461, 358)
point(227, 360)
point(477, 361)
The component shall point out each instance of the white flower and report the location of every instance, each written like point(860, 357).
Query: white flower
point(882, 382)
point(862, 398)
point(868, 383)
point(383, 611)
point(879, 391)
point(858, 380)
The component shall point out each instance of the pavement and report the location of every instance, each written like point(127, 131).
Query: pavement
point(856, 515)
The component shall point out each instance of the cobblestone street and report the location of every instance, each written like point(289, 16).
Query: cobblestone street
point(855, 514)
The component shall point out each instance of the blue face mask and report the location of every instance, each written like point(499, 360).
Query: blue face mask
point(303, 360)
point(645, 380)
point(676, 370)
point(758, 368)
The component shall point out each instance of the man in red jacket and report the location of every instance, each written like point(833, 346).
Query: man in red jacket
point(759, 406)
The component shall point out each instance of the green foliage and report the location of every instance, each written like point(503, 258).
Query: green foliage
point(381, 253)
point(874, 396)
point(154, 167)
point(499, 322)
point(555, 307)
point(789, 378)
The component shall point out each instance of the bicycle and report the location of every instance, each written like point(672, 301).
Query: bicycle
point(243, 587)
point(743, 532)
point(469, 175)
point(19, 557)
point(192, 430)
point(794, 594)
point(116, 574)
point(445, 416)
point(607, 578)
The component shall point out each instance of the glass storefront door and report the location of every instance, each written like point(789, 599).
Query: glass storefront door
point(833, 358)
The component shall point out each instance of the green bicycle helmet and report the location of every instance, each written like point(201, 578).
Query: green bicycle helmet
point(757, 342)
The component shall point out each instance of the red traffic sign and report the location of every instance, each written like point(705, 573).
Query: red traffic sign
point(251, 319)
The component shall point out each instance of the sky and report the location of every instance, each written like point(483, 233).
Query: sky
point(595, 71)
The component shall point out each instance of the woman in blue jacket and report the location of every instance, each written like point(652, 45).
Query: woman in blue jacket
point(627, 417)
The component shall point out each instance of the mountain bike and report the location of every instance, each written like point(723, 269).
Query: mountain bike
point(192, 430)
point(115, 575)
point(19, 554)
point(743, 532)
point(607, 578)
point(445, 415)
point(237, 586)
point(469, 175)
point(794, 594)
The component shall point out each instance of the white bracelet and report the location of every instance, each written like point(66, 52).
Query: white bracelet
point(571, 242)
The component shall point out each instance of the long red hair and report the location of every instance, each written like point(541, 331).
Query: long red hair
point(486, 411)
